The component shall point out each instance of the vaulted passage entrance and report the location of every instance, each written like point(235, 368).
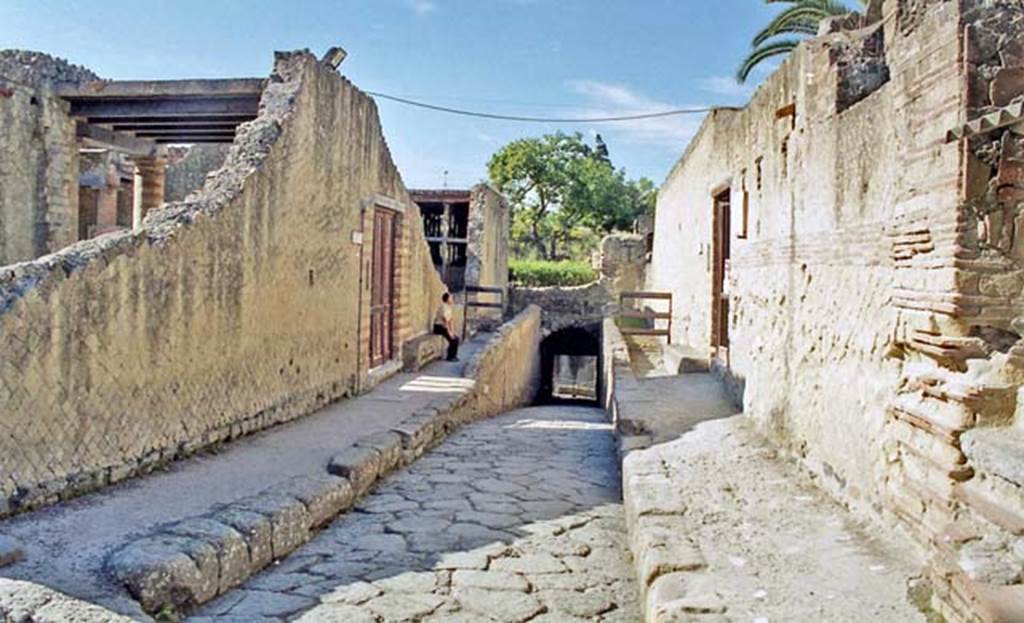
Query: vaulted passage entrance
point(571, 365)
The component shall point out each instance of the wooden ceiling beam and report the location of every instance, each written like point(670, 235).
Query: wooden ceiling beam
point(117, 141)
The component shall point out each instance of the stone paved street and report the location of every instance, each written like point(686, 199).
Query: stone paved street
point(517, 518)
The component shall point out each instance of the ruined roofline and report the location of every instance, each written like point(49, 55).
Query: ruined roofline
point(458, 194)
point(451, 194)
point(37, 69)
point(839, 29)
point(709, 119)
point(165, 111)
point(440, 194)
point(247, 153)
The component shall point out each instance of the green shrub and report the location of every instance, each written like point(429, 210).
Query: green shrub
point(539, 273)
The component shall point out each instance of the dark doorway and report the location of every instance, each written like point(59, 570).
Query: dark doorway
point(571, 365)
point(382, 289)
point(720, 269)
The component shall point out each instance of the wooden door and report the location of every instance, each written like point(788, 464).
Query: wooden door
point(720, 297)
point(382, 288)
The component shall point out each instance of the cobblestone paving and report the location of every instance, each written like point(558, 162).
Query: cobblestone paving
point(517, 518)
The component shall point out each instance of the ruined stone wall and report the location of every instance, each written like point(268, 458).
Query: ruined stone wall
point(38, 156)
point(622, 267)
point(876, 286)
point(240, 308)
point(188, 166)
point(831, 196)
point(489, 226)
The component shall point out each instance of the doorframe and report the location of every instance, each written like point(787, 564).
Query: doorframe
point(369, 205)
point(721, 251)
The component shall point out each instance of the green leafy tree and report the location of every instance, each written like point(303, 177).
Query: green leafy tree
point(564, 192)
point(796, 22)
point(601, 150)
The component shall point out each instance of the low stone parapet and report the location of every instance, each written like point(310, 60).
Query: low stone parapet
point(189, 562)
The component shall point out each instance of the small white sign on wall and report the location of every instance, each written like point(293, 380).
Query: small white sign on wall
point(357, 237)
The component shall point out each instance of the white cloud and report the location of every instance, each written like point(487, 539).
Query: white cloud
point(605, 99)
point(421, 7)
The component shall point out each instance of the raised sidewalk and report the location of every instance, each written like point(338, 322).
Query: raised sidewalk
point(721, 528)
point(180, 537)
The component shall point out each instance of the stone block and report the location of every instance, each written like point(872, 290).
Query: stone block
point(10, 551)
point(232, 551)
point(388, 445)
point(359, 464)
point(1007, 86)
point(651, 495)
point(660, 547)
point(996, 450)
point(158, 572)
point(289, 519)
point(255, 529)
point(418, 433)
point(325, 496)
point(677, 597)
point(421, 350)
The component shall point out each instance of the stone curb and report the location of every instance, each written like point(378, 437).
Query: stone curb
point(189, 562)
point(668, 564)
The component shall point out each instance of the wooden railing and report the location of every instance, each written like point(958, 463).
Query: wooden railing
point(469, 301)
point(652, 316)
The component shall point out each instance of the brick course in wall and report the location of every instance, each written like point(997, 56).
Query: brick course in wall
point(874, 304)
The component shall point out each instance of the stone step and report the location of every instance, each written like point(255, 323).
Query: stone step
point(681, 359)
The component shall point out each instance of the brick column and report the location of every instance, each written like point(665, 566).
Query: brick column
point(150, 174)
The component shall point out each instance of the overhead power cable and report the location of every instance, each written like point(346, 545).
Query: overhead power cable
point(487, 115)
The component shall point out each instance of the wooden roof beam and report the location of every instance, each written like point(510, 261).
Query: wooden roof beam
point(148, 89)
point(184, 125)
point(176, 108)
point(117, 141)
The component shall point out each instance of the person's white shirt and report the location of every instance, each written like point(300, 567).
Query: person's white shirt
point(444, 314)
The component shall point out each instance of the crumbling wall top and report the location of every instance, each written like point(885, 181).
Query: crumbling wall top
point(37, 69)
point(246, 155)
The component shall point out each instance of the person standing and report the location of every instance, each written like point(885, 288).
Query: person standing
point(444, 326)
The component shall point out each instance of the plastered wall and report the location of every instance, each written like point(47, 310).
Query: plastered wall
point(244, 307)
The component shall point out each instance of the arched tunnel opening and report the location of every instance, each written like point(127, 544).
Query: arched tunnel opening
point(571, 365)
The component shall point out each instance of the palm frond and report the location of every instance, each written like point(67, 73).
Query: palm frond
point(801, 18)
point(762, 53)
point(803, 15)
point(799, 28)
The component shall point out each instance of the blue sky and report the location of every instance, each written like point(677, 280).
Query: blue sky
point(535, 57)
